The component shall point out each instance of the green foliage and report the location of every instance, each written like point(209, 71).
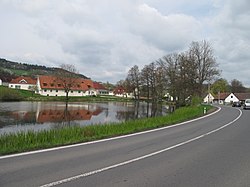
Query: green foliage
point(196, 100)
point(221, 85)
point(26, 141)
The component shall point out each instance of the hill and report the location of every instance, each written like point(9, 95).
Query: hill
point(10, 70)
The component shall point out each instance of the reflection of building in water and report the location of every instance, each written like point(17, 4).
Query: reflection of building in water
point(65, 115)
point(51, 115)
point(23, 115)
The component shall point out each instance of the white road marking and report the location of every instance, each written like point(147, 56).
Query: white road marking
point(139, 158)
point(105, 140)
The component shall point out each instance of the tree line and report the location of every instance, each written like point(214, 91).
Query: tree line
point(179, 75)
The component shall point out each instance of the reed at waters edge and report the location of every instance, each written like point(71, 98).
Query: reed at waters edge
point(27, 141)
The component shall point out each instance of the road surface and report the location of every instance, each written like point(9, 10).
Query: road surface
point(212, 151)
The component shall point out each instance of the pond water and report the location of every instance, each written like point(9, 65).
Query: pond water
point(24, 116)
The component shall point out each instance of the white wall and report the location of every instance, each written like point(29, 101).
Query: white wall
point(231, 98)
point(208, 99)
point(52, 92)
point(21, 86)
point(1, 82)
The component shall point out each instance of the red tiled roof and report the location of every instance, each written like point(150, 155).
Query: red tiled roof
point(119, 90)
point(23, 80)
point(98, 86)
point(51, 82)
point(242, 96)
point(222, 96)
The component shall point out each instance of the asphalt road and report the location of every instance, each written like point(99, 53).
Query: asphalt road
point(212, 151)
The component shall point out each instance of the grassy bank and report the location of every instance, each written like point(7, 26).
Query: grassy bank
point(7, 94)
point(20, 142)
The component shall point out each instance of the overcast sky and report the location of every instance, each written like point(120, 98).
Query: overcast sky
point(105, 38)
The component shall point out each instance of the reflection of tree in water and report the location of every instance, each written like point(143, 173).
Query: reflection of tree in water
point(125, 115)
point(141, 110)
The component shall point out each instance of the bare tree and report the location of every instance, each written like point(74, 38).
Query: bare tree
point(67, 77)
point(145, 80)
point(237, 86)
point(170, 64)
point(133, 79)
point(201, 53)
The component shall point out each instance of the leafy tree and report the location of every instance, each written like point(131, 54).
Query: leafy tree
point(220, 85)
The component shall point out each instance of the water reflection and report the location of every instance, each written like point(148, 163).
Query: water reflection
point(16, 116)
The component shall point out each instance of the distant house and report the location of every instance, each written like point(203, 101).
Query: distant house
point(1, 82)
point(120, 91)
point(242, 96)
point(100, 89)
point(23, 83)
point(228, 98)
point(209, 98)
point(220, 98)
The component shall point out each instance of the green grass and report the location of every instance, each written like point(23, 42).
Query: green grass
point(21, 142)
point(7, 94)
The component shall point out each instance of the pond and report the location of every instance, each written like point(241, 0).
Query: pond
point(24, 116)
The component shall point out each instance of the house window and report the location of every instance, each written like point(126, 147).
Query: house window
point(11, 86)
point(18, 87)
point(45, 90)
point(232, 96)
point(56, 90)
point(45, 84)
point(47, 94)
point(72, 91)
point(52, 84)
point(50, 90)
point(59, 85)
point(79, 91)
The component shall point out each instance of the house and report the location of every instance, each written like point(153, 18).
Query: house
point(209, 98)
point(242, 96)
point(1, 82)
point(120, 91)
point(100, 89)
point(220, 98)
point(23, 83)
point(229, 98)
point(95, 88)
point(51, 86)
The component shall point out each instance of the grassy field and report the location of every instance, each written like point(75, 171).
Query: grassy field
point(21, 142)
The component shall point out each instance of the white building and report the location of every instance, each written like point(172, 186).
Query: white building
point(1, 82)
point(231, 98)
point(209, 98)
point(52, 86)
point(23, 83)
